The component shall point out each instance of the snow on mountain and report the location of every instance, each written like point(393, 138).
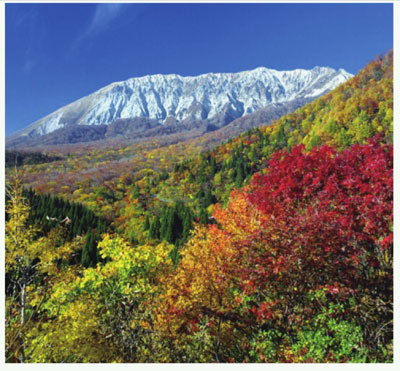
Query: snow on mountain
point(200, 97)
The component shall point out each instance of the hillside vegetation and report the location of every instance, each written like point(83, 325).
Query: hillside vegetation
point(276, 246)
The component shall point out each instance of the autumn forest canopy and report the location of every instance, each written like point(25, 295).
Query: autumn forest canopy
point(272, 246)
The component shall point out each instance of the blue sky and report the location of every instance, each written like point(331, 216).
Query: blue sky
point(57, 53)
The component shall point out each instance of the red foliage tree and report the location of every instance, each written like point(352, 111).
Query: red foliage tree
point(326, 224)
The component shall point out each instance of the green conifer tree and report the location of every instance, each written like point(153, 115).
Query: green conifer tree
point(208, 198)
point(239, 177)
point(146, 224)
point(85, 257)
point(203, 219)
point(187, 225)
point(163, 222)
point(154, 231)
point(213, 166)
point(92, 250)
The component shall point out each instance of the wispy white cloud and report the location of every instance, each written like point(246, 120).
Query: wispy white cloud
point(103, 16)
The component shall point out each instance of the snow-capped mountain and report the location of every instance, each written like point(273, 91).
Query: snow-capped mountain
point(213, 97)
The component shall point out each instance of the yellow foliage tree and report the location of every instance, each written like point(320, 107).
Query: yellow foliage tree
point(27, 258)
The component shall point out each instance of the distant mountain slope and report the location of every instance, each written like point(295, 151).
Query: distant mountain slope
point(211, 100)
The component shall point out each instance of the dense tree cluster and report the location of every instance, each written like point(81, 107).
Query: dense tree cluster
point(48, 212)
point(19, 158)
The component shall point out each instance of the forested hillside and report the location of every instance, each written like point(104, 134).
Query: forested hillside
point(352, 113)
point(276, 246)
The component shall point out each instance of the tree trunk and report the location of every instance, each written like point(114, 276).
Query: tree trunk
point(23, 304)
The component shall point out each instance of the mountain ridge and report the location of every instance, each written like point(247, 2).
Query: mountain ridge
point(215, 98)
